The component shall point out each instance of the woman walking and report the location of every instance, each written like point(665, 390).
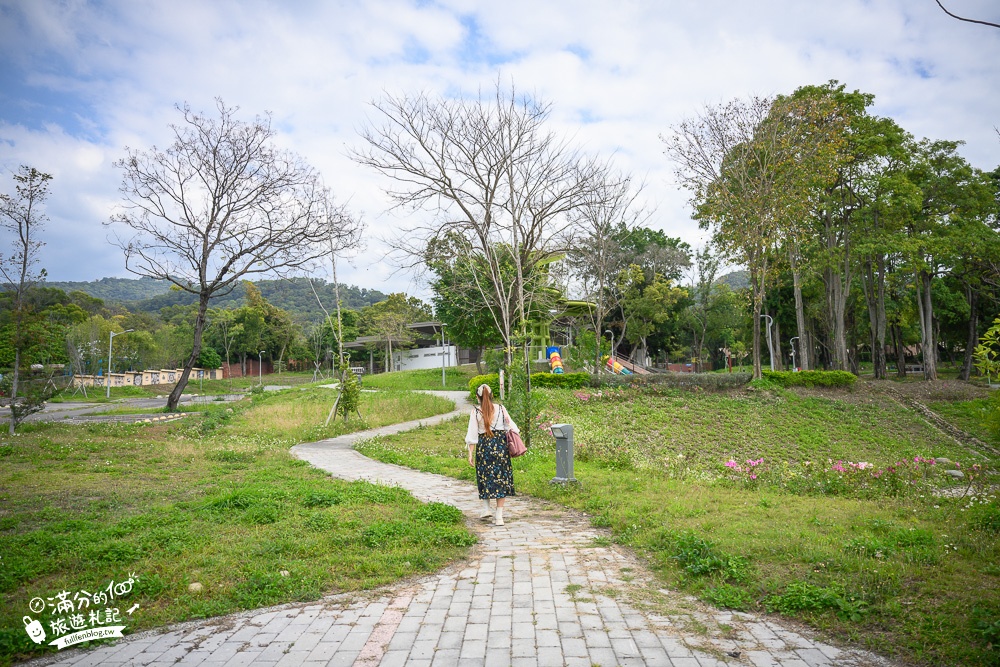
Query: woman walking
point(486, 440)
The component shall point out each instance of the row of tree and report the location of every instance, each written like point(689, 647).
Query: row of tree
point(852, 233)
point(814, 192)
point(73, 330)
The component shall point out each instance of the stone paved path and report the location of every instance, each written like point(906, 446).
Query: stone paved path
point(545, 590)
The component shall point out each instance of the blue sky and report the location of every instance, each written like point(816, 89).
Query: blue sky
point(80, 80)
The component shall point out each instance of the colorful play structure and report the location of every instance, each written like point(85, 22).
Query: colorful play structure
point(623, 367)
point(616, 367)
point(555, 359)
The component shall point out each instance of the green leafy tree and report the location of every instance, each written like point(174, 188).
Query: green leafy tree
point(951, 190)
point(751, 167)
point(387, 321)
point(21, 216)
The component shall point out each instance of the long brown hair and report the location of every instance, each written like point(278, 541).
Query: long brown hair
point(486, 407)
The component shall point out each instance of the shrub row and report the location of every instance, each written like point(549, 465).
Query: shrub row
point(810, 378)
point(492, 379)
point(556, 380)
point(560, 380)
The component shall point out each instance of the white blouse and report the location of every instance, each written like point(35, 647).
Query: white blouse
point(501, 422)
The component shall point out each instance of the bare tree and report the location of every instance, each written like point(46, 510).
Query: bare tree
point(597, 256)
point(21, 215)
point(492, 173)
point(220, 203)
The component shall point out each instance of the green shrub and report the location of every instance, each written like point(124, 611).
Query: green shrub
point(729, 597)
point(492, 379)
point(697, 556)
point(810, 378)
point(560, 380)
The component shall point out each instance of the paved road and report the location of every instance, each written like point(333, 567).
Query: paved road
point(74, 410)
point(543, 590)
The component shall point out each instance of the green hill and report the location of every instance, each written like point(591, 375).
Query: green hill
point(293, 295)
point(115, 290)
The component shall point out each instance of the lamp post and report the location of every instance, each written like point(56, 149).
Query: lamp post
point(444, 351)
point(111, 340)
point(791, 343)
point(260, 367)
point(770, 348)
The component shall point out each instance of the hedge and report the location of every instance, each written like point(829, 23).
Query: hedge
point(560, 380)
point(492, 379)
point(551, 380)
point(810, 378)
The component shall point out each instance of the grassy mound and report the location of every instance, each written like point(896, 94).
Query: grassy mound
point(867, 552)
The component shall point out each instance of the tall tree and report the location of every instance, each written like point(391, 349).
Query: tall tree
point(220, 203)
point(458, 302)
point(388, 321)
point(751, 167)
point(495, 175)
point(950, 190)
point(22, 216)
point(604, 221)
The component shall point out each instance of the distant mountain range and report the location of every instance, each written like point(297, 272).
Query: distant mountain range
point(293, 295)
point(736, 280)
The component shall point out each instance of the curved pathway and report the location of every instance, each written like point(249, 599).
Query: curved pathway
point(546, 589)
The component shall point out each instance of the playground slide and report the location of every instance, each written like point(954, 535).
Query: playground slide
point(555, 360)
point(616, 367)
point(633, 367)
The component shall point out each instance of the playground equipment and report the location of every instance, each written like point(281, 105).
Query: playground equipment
point(555, 359)
point(618, 368)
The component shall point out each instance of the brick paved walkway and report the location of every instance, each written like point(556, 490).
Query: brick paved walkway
point(544, 590)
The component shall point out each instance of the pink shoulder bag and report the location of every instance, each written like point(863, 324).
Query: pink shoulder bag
point(514, 443)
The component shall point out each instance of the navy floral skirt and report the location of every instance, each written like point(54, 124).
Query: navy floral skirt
point(494, 476)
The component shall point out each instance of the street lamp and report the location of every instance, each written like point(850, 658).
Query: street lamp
point(791, 343)
point(770, 348)
point(444, 351)
point(260, 367)
point(111, 340)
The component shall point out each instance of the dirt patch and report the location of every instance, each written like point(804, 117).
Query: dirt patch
point(935, 390)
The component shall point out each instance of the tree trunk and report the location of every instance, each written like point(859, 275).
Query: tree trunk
point(479, 361)
point(757, 285)
point(800, 316)
point(897, 337)
point(925, 311)
point(199, 327)
point(873, 282)
point(13, 386)
point(970, 344)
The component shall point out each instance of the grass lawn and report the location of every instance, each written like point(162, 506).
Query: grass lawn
point(456, 379)
point(895, 568)
point(214, 499)
point(970, 416)
point(233, 385)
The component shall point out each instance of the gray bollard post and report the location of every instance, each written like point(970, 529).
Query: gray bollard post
point(564, 453)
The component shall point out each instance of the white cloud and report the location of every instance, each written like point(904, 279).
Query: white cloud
point(617, 74)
